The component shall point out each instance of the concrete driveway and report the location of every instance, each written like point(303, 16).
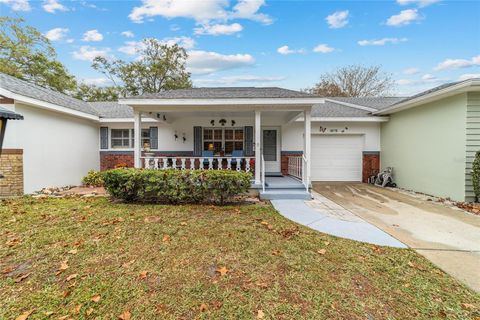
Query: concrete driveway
point(448, 237)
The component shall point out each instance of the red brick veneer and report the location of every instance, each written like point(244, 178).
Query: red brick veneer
point(371, 165)
point(110, 160)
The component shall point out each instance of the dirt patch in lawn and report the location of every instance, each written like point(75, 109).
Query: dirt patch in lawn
point(90, 258)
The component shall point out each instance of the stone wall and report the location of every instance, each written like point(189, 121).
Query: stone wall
point(11, 167)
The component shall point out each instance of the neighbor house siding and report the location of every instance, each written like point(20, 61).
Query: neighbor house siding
point(425, 145)
point(472, 140)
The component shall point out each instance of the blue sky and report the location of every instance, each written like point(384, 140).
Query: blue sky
point(423, 43)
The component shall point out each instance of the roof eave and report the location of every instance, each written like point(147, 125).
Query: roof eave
point(465, 86)
point(221, 102)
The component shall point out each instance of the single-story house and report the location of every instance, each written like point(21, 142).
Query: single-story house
point(284, 132)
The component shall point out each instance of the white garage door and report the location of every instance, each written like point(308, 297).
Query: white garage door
point(337, 157)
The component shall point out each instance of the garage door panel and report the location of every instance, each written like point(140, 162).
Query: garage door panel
point(337, 158)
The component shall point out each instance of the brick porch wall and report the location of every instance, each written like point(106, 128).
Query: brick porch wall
point(371, 164)
point(11, 167)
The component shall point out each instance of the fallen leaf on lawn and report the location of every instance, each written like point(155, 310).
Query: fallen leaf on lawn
point(183, 223)
point(25, 315)
point(8, 269)
point(326, 243)
point(468, 306)
point(21, 277)
point(12, 242)
point(265, 223)
point(166, 238)
point(89, 311)
point(410, 264)
point(63, 267)
point(78, 308)
point(161, 307)
point(73, 251)
point(203, 307)
point(260, 314)
point(48, 313)
point(262, 284)
point(95, 298)
point(64, 318)
point(65, 293)
point(126, 315)
point(276, 252)
point(407, 285)
point(127, 265)
point(72, 276)
point(143, 274)
point(322, 251)
point(223, 270)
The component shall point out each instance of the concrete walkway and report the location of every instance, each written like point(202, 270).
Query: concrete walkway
point(324, 215)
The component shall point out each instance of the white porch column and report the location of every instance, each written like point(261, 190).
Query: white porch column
point(137, 128)
point(258, 156)
point(307, 142)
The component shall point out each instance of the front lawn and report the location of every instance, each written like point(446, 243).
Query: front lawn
point(87, 258)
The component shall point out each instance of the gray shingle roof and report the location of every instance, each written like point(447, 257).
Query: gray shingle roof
point(111, 110)
point(336, 110)
point(7, 114)
point(226, 93)
point(30, 90)
point(377, 103)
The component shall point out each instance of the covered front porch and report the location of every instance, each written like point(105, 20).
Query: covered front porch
point(262, 136)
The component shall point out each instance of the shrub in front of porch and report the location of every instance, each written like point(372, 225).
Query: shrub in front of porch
point(175, 186)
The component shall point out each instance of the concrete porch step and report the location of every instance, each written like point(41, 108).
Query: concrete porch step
point(282, 194)
point(295, 186)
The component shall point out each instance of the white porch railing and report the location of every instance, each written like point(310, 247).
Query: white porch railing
point(295, 169)
point(202, 163)
point(263, 173)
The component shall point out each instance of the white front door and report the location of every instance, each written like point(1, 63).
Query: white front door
point(271, 148)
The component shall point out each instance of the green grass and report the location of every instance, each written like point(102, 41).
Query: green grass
point(273, 266)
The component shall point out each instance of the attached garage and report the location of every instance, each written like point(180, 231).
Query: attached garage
point(337, 157)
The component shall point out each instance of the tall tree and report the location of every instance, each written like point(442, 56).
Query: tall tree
point(159, 67)
point(91, 93)
point(354, 81)
point(26, 54)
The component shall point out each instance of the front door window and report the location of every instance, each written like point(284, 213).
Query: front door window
point(270, 145)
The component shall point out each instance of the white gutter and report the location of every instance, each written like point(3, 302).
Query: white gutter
point(347, 119)
point(464, 86)
point(222, 102)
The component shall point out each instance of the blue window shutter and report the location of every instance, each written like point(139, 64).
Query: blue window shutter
point(103, 137)
point(248, 141)
point(153, 137)
point(197, 141)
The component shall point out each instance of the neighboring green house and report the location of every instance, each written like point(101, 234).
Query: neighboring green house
point(431, 140)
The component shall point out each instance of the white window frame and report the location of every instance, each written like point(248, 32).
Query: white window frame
point(131, 139)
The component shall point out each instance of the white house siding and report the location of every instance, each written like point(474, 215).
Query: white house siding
point(293, 133)
point(58, 149)
point(472, 140)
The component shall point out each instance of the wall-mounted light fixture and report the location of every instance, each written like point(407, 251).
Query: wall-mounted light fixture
point(184, 137)
point(233, 123)
point(212, 122)
point(176, 135)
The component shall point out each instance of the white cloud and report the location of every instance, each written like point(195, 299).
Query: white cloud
point(205, 62)
point(405, 17)
point(458, 63)
point(420, 3)
point(88, 53)
point(132, 48)
point(92, 35)
point(410, 71)
point(467, 76)
point(70, 40)
point(424, 80)
point(127, 34)
point(56, 34)
point(337, 19)
point(381, 42)
point(100, 82)
point(230, 80)
point(218, 29)
point(248, 9)
point(286, 50)
point(323, 48)
point(201, 11)
point(17, 5)
point(53, 5)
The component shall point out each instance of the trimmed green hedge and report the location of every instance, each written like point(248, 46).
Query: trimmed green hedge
point(175, 186)
point(93, 179)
